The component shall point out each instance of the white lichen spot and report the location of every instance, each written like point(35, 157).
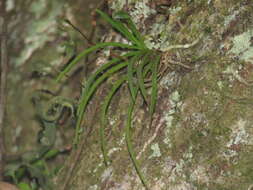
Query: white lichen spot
point(169, 165)
point(106, 174)
point(41, 30)
point(112, 121)
point(93, 187)
point(10, 4)
point(175, 10)
point(243, 47)
point(122, 140)
point(188, 154)
point(178, 171)
point(55, 62)
point(141, 11)
point(238, 136)
point(220, 84)
point(117, 5)
point(230, 18)
point(170, 80)
point(159, 184)
point(198, 118)
point(158, 37)
point(177, 174)
point(233, 71)
point(175, 104)
point(99, 165)
point(199, 174)
point(112, 150)
point(168, 120)
point(156, 151)
point(175, 97)
point(250, 187)
point(18, 131)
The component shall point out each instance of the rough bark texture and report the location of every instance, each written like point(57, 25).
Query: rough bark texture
point(201, 135)
point(3, 79)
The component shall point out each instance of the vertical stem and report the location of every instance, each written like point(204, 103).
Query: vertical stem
point(3, 78)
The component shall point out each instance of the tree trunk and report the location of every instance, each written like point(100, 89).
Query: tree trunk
point(201, 134)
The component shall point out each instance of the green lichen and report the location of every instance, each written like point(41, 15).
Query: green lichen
point(156, 151)
point(118, 5)
point(169, 117)
point(211, 130)
point(10, 5)
point(38, 32)
point(201, 118)
point(243, 46)
point(141, 10)
point(38, 8)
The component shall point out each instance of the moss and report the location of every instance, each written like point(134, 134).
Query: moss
point(202, 126)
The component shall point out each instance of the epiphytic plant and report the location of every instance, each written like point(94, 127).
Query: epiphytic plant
point(139, 63)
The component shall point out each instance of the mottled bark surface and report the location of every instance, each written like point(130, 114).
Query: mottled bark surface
point(201, 135)
point(3, 79)
point(37, 52)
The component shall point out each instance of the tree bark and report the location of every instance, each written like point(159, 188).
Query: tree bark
point(200, 137)
point(201, 134)
point(3, 82)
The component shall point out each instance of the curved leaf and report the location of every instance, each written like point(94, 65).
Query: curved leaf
point(24, 186)
point(105, 106)
point(101, 69)
point(85, 97)
point(141, 75)
point(89, 50)
point(90, 89)
point(120, 27)
point(154, 85)
point(131, 25)
point(129, 141)
point(130, 75)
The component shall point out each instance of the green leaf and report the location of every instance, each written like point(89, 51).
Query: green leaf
point(120, 27)
point(129, 140)
point(121, 15)
point(89, 50)
point(39, 174)
point(103, 68)
point(125, 16)
point(105, 106)
point(24, 186)
point(51, 154)
point(147, 69)
point(34, 171)
point(11, 171)
point(48, 134)
point(154, 85)
point(130, 75)
point(86, 95)
point(141, 75)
